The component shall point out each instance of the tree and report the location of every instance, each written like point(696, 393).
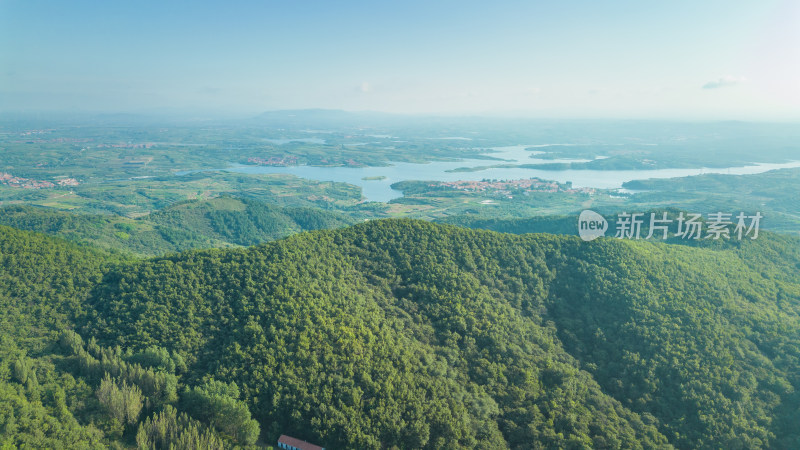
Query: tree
point(122, 402)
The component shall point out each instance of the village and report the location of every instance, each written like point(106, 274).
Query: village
point(507, 188)
point(27, 183)
point(273, 161)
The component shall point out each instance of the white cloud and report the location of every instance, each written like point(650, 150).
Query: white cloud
point(727, 80)
point(365, 87)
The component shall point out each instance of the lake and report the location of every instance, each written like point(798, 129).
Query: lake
point(380, 190)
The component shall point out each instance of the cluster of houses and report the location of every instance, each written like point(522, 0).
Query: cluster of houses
point(27, 183)
point(506, 187)
point(128, 145)
point(67, 182)
point(59, 140)
point(274, 161)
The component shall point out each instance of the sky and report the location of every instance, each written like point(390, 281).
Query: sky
point(677, 59)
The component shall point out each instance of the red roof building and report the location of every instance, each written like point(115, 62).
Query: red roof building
point(289, 443)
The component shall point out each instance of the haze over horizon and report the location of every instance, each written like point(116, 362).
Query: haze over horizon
point(714, 60)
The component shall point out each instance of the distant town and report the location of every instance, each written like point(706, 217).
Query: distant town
point(27, 183)
point(507, 188)
point(274, 161)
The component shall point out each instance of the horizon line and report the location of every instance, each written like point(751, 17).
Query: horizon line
point(205, 114)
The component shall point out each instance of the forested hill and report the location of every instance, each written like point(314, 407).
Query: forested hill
point(218, 222)
point(538, 224)
point(405, 334)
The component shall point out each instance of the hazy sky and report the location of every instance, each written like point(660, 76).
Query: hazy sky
point(703, 59)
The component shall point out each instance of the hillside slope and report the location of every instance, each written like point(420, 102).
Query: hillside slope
point(415, 335)
point(217, 222)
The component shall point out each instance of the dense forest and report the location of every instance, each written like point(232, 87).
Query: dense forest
point(401, 334)
point(217, 222)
